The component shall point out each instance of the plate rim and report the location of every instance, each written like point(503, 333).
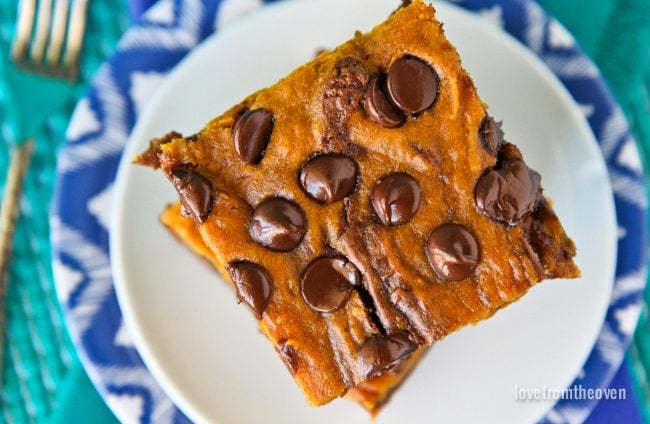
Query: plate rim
point(130, 315)
point(56, 212)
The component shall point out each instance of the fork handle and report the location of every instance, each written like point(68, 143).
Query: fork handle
point(8, 214)
point(20, 158)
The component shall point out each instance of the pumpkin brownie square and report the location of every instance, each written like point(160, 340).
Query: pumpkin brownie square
point(366, 205)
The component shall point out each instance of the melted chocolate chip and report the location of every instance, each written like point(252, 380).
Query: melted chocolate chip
point(253, 285)
point(379, 108)
point(327, 283)
point(491, 135)
point(288, 355)
point(278, 224)
point(195, 193)
point(251, 134)
point(412, 85)
point(396, 198)
point(508, 192)
point(328, 178)
point(380, 353)
point(453, 252)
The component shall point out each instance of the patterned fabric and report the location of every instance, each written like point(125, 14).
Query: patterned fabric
point(103, 120)
point(38, 352)
point(617, 34)
point(96, 137)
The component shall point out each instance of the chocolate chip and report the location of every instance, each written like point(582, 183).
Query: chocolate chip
point(288, 355)
point(396, 198)
point(508, 192)
point(453, 252)
point(412, 85)
point(491, 134)
point(379, 108)
point(253, 285)
point(195, 193)
point(328, 178)
point(380, 353)
point(327, 283)
point(278, 224)
point(251, 134)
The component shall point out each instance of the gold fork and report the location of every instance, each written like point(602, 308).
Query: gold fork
point(48, 41)
point(46, 49)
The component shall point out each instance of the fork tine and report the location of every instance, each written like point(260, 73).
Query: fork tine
point(57, 36)
point(75, 37)
point(43, 22)
point(24, 25)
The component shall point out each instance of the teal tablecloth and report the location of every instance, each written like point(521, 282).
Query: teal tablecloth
point(44, 381)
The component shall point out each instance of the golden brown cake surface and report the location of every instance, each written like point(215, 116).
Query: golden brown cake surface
point(366, 206)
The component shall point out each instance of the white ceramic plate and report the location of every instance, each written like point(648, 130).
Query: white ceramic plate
point(206, 351)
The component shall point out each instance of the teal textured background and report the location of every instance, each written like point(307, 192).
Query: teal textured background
point(43, 380)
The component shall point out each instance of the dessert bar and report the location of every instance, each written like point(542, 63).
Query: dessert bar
point(366, 205)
